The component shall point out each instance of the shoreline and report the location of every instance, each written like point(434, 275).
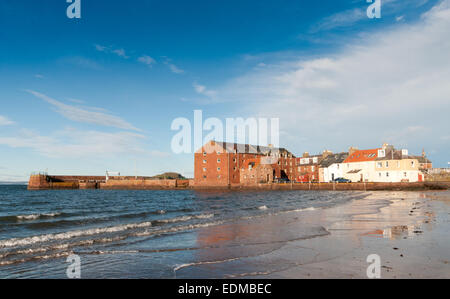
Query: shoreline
point(408, 230)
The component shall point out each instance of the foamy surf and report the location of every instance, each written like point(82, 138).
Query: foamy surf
point(95, 231)
point(71, 234)
point(184, 218)
point(37, 216)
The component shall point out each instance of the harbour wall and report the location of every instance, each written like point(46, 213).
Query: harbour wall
point(46, 182)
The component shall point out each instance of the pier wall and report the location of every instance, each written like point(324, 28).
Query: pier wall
point(45, 182)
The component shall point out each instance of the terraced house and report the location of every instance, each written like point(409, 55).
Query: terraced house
point(385, 164)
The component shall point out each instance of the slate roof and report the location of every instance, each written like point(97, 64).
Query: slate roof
point(333, 159)
point(253, 149)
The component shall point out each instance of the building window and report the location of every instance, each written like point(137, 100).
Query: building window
point(204, 161)
point(387, 163)
point(204, 176)
point(412, 163)
point(387, 174)
point(204, 169)
point(312, 168)
point(218, 160)
point(234, 160)
point(204, 154)
point(405, 174)
point(219, 176)
point(379, 174)
point(234, 168)
point(379, 165)
point(218, 168)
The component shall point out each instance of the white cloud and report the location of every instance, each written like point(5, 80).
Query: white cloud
point(4, 121)
point(72, 143)
point(85, 115)
point(340, 19)
point(386, 81)
point(145, 59)
point(121, 53)
point(100, 48)
point(201, 89)
point(174, 69)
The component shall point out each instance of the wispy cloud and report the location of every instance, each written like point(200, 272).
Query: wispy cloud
point(340, 19)
point(72, 143)
point(85, 115)
point(83, 62)
point(173, 68)
point(119, 52)
point(147, 60)
point(4, 121)
point(201, 89)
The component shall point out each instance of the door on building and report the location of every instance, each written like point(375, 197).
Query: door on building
point(332, 177)
point(420, 177)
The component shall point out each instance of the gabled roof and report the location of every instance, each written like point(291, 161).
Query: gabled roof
point(250, 149)
point(393, 154)
point(333, 159)
point(363, 156)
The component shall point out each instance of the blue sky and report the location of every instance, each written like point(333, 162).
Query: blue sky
point(81, 96)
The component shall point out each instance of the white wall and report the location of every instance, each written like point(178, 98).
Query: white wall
point(367, 170)
point(335, 169)
point(396, 176)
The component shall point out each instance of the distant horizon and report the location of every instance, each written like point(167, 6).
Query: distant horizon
point(94, 94)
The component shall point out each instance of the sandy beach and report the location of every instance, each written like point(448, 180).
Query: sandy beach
point(408, 230)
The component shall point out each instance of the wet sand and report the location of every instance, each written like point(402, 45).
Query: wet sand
point(408, 230)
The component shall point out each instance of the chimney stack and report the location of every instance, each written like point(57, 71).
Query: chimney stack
point(352, 150)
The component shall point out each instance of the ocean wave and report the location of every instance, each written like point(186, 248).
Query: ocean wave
point(184, 218)
point(71, 234)
point(95, 231)
point(29, 217)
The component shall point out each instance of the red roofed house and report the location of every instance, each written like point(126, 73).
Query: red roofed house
point(360, 165)
point(385, 164)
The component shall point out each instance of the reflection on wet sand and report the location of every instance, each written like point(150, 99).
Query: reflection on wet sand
point(331, 242)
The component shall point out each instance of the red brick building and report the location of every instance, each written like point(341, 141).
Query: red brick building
point(219, 164)
point(307, 169)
